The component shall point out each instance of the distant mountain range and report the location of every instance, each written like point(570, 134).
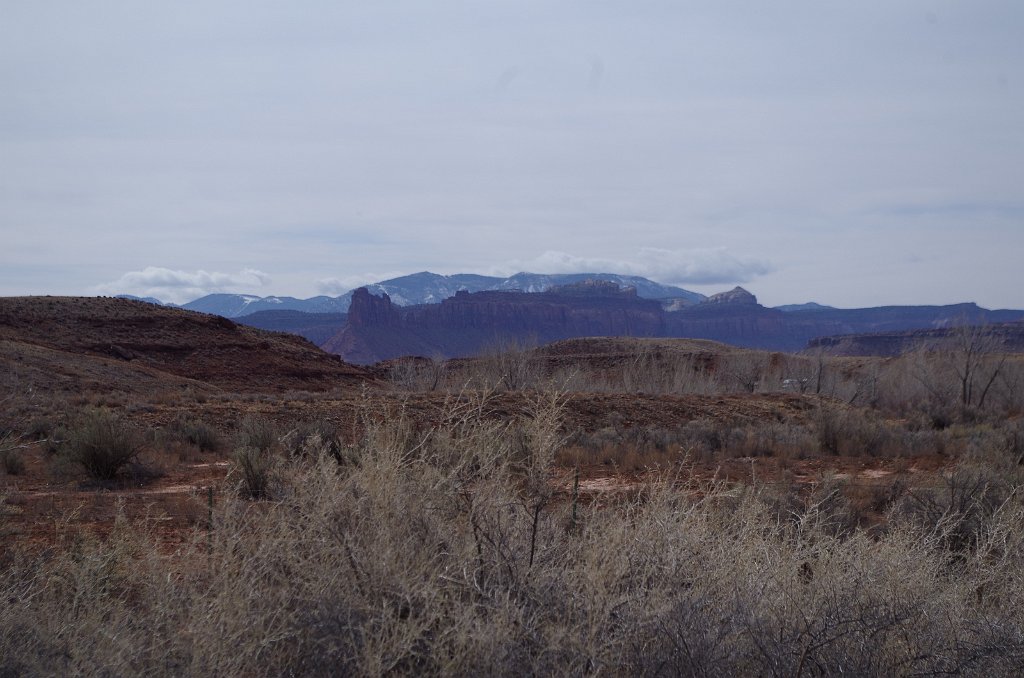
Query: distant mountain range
point(796, 308)
point(238, 305)
point(426, 288)
point(467, 323)
point(458, 315)
point(431, 288)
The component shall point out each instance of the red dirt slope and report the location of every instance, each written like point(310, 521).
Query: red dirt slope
point(147, 339)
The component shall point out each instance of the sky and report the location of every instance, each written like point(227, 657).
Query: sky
point(850, 153)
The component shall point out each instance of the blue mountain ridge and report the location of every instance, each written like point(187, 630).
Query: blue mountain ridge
point(429, 288)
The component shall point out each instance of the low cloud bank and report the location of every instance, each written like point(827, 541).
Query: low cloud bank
point(676, 267)
point(183, 286)
point(337, 286)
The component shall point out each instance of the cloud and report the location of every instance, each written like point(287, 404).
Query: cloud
point(182, 286)
point(691, 266)
point(338, 286)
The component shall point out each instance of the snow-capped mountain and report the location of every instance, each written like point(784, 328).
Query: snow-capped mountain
point(148, 300)
point(236, 305)
point(648, 289)
point(431, 288)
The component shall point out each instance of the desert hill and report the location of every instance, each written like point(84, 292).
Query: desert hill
point(316, 327)
point(1004, 337)
point(121, 343)
point(613, 352)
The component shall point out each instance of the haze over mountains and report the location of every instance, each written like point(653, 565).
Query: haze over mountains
point(428, 288)
point(428, 314)
point(468, 323)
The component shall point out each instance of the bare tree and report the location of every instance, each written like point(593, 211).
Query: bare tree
point(641, 373)
point(961, 369)
point(976, 361)
point(420, 374)
point(746, 369)
point(510, 363)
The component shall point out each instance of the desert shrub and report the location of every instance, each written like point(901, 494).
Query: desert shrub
point(197, 433)
point(706, 435)
point(508, 364)
point(830, 506)
point(418, 374)
point(313, 438)
point(391, 566)
point(939, 415)
point(854, 431)
point(101, 444)
point(58, 436)
point(255, 469)
point(11, 460)
point(39, 428)
point(1013, 441)
point(255, 458)
point(829, 423)
point(430, 556)
point(257, 433)
point(959, 512)
point(11, 444)
point(699, 439)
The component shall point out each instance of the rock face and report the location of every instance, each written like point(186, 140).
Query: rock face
point(370, 311)
point(470, 322)
point(736, 296)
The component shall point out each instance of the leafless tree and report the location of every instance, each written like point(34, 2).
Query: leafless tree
point(420, 374)
point(977, 362)
point(745, 370)
point(511, 364)
point(960, 371)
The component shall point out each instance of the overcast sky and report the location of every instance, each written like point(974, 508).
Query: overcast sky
point(854, 153)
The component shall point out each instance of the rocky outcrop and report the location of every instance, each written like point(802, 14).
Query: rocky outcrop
point(367, 310)
point(470, 322)
point(735, 296)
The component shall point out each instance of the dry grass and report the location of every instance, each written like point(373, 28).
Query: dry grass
point(446, 553)
point(441, 544)
point(197, 433)
point(921, 383)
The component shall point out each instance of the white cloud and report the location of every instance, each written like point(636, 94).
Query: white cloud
point(338, 286)
point(182, 286)
point(692, 266)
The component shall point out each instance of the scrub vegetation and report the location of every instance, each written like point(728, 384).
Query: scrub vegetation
point(688, 509)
